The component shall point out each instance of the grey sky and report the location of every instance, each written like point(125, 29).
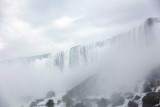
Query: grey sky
point(31, 27)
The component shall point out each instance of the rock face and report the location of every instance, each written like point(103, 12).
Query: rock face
point(78, 93)
point(84, 89)
point(152, 82)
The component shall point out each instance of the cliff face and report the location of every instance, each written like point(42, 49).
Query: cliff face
point(148, 96)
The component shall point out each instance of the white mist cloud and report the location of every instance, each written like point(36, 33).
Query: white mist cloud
point(2, 45)
point(65, 22)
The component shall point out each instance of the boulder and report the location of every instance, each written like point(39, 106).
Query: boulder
point(137, 97)
point(35, 103)
point(147, 88)
point(50, 103)
point(129, 95)
point(132, 104)
point(151, 99)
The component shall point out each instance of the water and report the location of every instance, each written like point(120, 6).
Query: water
point(119, 63)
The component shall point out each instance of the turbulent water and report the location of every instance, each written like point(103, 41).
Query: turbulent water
point(119, 62)
point(82, 54)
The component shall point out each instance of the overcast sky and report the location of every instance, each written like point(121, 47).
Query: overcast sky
point(33, 27)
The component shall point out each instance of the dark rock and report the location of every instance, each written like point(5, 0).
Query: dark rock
point(79, 105)
point(50, 103)
point(50, 94)
point(150, 21)
point(35, 103)
point(147, 88)
point(153, 79)
point(137, 97)
point(154, 83)
point(129, 95)
point(151, 99)
point(69, 102)
point(155, 94)
point(132, 104)
point(103, 102)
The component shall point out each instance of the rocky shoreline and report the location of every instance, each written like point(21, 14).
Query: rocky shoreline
point(149, 97)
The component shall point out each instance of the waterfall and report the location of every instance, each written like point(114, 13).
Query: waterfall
point(138, 37)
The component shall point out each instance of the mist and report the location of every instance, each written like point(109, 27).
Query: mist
point(88, 53)
point(119, 64)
